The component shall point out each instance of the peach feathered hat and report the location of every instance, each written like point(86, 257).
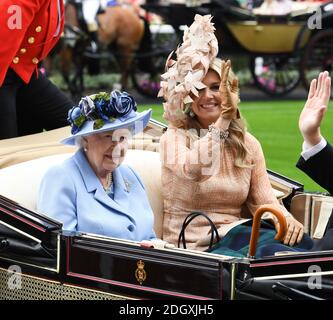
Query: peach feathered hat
point(184, 77)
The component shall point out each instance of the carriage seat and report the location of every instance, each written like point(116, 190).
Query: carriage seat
point(20, 182)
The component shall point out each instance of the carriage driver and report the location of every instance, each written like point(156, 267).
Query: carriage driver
point(29, 101)
point(89, 10)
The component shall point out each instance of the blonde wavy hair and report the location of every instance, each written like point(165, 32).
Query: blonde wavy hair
point(237, 128)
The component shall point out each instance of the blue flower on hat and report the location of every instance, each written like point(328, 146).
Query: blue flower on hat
point(88, 106)
point(76, 119)
point(121, 104)
point(100, 108)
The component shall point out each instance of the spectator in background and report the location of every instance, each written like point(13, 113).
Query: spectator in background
point(274, 7)
point(89, 10)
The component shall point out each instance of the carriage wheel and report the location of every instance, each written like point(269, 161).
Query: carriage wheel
point(275, 75)
point(148, 67)
point(318, 56)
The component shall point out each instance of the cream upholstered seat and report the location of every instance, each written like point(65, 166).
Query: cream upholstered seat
point(20, 182)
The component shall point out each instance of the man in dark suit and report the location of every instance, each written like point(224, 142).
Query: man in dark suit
point(29, 101)
point(317, 156)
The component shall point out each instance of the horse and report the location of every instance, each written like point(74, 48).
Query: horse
point(119, 27)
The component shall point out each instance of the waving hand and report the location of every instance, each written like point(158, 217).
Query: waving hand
point(315, 108)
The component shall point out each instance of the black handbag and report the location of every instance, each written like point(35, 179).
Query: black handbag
point(188, 220)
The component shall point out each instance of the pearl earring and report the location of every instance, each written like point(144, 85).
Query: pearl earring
point(191, 114)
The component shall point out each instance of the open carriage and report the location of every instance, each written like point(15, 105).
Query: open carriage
point(283, 50)
point(39, 260)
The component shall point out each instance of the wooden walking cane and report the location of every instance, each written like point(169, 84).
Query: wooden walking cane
point(256, 226)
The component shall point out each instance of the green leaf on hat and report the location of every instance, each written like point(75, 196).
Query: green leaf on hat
point(102, 96)
point(99, 123)
point(79, 121)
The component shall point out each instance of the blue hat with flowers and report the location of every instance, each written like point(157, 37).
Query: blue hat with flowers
point(105, 112)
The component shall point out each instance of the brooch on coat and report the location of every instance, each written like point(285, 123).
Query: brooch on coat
point(128, 185)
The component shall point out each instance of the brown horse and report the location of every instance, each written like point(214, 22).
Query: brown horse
point(119, 26)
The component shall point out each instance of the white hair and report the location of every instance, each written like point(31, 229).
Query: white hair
point(79, 142)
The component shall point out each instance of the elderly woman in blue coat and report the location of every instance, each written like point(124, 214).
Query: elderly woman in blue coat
point(92, 191)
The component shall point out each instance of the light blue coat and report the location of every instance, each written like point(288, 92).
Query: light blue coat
point(72, 193)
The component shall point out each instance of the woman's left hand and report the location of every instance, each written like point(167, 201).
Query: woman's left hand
point(295, 231)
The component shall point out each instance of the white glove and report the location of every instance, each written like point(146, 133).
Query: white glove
point(157, 244)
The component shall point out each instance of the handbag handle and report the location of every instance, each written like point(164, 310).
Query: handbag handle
point(188, 220)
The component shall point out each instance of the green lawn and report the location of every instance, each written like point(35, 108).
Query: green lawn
point(275, 124)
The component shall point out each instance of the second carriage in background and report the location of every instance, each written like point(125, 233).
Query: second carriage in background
point(283, 49)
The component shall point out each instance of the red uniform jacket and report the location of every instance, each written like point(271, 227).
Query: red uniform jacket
point(29, 29)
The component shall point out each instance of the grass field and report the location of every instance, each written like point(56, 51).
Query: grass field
point(275, 125)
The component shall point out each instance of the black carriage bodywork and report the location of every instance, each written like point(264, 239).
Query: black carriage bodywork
point(100, 267)
point(292, 48)
point(53, 264)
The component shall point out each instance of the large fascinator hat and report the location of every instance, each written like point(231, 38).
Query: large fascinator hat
point(105, 112)
point(184, 76)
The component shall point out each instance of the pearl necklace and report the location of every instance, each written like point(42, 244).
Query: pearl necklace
point(109, 181)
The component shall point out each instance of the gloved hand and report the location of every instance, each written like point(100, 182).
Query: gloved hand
point(229, 94)
point(157, 244)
